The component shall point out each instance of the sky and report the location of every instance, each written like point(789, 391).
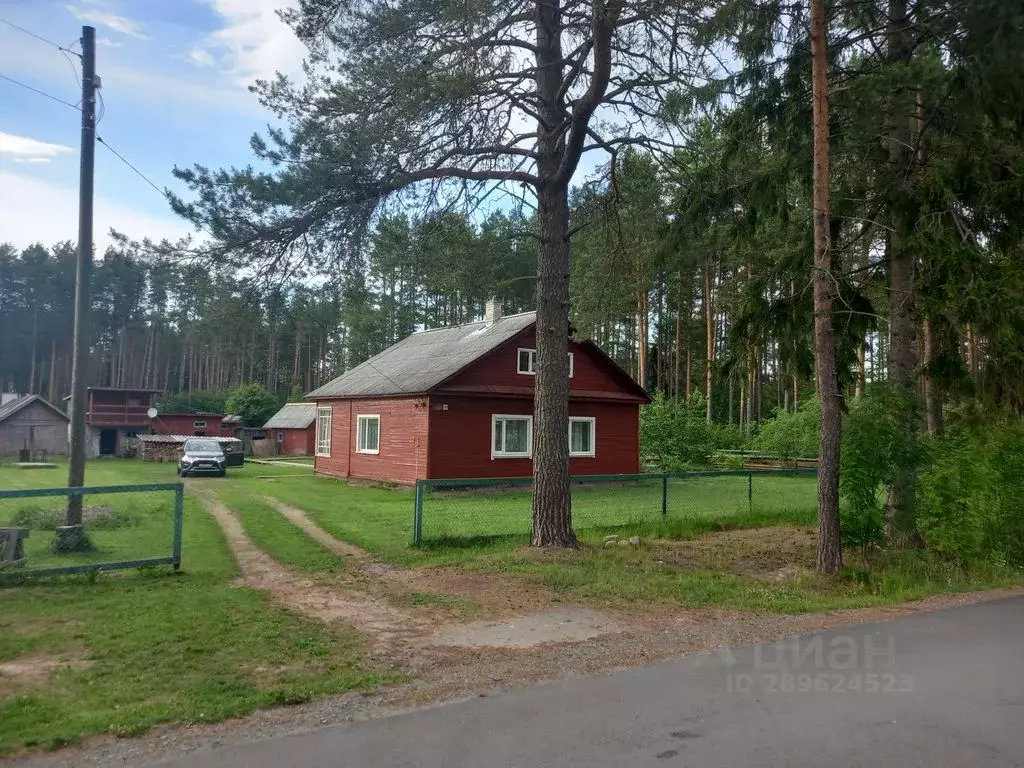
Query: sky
point(175, 77)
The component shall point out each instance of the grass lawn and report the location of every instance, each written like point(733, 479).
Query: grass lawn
point(273, 533)
point(462, 524)
point(495, 526)
point(134, 649)
point(139, 524)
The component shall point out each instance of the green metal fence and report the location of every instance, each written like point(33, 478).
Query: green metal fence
point(128, 526)
point(480, 509)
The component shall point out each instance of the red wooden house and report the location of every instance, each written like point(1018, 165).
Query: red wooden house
point(293, 429)
point(458, 402)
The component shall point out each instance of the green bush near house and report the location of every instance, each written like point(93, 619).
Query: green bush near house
point(791, 435)
point(675, 437)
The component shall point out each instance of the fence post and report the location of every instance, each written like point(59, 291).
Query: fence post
point(664, 494)
point(417, 515)
point(750, 491)
point(179, 521)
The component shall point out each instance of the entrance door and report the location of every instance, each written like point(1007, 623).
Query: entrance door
point(108, 442)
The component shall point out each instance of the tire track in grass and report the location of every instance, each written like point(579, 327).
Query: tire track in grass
point(389, 628)
point(301, 520)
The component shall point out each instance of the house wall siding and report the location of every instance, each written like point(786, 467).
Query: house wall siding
point(403, 440)
point(182, 424)
point(500, 369)
point(48, 431)
point(297, 442)
point(460, 437)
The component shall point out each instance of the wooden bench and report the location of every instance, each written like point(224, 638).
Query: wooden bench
point(12, 546)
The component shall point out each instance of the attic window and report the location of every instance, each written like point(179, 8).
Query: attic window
point(528, 362)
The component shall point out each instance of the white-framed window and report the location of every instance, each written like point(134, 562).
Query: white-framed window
point(511, 436)
point(323, 431)
point(582, 436)
point(198, 425)
point(527, 362)
point(280, 437)
point(368, 434)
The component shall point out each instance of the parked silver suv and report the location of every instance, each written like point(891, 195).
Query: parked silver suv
point(202, 457)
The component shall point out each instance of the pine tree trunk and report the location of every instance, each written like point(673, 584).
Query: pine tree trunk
point(552, 501)
point(51, 390)
point(932, 400)
point(731, 398)
point(830, 551)
point(35, 343)
point(709, 321)
point(751, 380)
point(742, 408)
point(901, 524)
point(678, 377)
point(641, 338)
point(859, 384)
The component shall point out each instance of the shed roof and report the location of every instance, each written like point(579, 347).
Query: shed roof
point(293, 416)
point(422, 361)
point(9, 409)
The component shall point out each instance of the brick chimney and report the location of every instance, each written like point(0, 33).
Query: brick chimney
point(492, 312)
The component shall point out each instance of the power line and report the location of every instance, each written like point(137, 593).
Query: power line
point(141, 175)
point(163, 193)
point(41, 93)
point(58, 46)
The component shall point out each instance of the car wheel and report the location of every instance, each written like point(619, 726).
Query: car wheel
point(222, 473)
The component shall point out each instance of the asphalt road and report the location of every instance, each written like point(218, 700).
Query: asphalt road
point(935, 689)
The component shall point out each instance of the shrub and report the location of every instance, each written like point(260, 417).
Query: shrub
point(875, 450)
point(728, 437)
point(675, 437)
point(96, 518)
point(791, 435)
point(970, 498)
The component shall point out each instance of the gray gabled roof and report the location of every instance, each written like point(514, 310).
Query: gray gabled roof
point(293, 416)
point(11, 408)
point(422, 361)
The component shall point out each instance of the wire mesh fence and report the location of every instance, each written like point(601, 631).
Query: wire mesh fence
point(125, 526)
point(669, 504)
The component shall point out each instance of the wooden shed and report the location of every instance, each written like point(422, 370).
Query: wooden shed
point(292, 430)
point(458, 403)
point(30, 423)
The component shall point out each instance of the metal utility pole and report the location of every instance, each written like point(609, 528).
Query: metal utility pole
point(71, 537)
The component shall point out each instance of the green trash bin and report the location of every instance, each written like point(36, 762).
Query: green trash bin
point(234, 453)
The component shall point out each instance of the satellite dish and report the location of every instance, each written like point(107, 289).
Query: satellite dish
point(151, 413)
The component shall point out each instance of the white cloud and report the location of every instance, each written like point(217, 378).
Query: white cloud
point(22, 149)
point(254, 42)
point(201, 56)
point(99, 15)
point(37, 210)
point(106, 42)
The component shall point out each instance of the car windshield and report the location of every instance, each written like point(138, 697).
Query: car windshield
point(201, 446)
